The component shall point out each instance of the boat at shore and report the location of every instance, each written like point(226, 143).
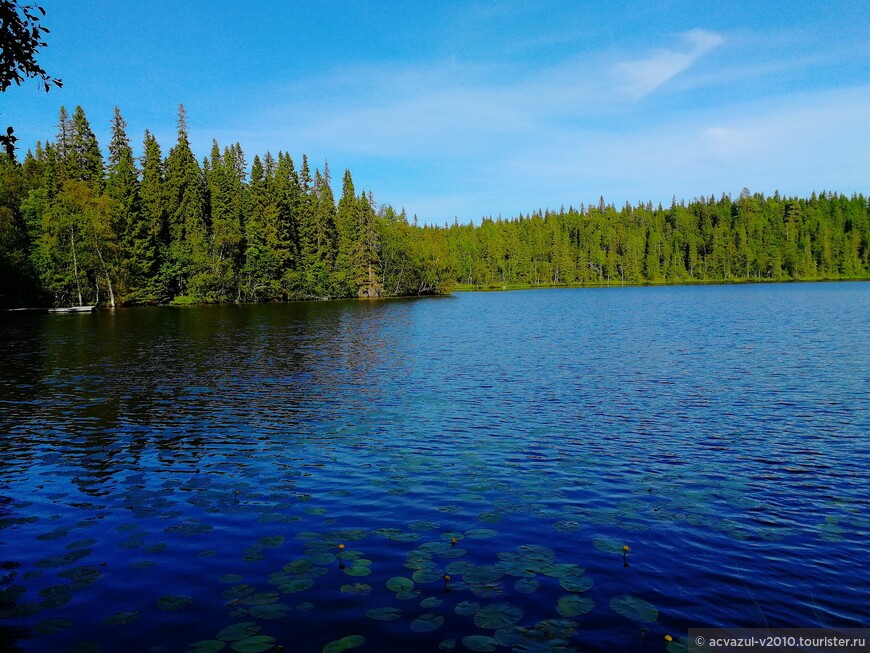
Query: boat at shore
point(59, 309)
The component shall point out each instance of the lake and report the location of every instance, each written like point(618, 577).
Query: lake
point(546, 470)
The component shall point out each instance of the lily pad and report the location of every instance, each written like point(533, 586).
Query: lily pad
point(426, 576)
point(431, 602)
point(427, 623)
point(482, 574)
point(52, 626)
point(576, 583)
point(238, 631)
point(357, 588)
point(635, 608)
point(358, 570)
point(400, 584)
point(269, 611)
point(207, 646)
point(231, 578)
point(467, 608)
point(607, 545)
point(497, 615)
point(55, 596)
point(255, 644)
point(172, 602)
point(122, 618)
point(386, 613)
point(296, 586)
point(481, 533)
point(271, 540)
point(573, 605)
point(526, 585)
point(480, 643)
point(447, 645)
point(343, 644)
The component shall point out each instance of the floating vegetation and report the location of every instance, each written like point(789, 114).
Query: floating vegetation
point(386, 613)
point(635, 608)
point(427, 622)
point(343, 644)
point(123, 618)
point(497, 615)
point(55, 596)
point(400, 584)
point(573, 605)
point(207, 646)
point(172, 602)
point(254, 644)
point(357, 588)
point(237, 631)
point(481, 643)
point(52, 626)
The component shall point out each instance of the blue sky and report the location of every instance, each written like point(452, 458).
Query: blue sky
point(470, 109)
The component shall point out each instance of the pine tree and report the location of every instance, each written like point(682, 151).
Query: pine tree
point(83, 159)
point(153, 260)
point(186, 208)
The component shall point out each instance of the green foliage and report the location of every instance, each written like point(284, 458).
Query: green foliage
point(75, 230)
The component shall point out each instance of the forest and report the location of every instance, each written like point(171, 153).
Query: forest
point(77, 228)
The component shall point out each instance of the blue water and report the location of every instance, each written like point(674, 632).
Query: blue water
point(169, 472)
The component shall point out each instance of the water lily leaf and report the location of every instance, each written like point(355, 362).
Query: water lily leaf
point(575, 583)
point(497, 615)
point(481, 533)
point(52, 626)
point(427, 623)
point(238, 631)
point(237, 591)
point(606, 544)
point(172, 602)
point(511, 636)
point(271, 540)
point(80, 544)
point(357, 588)
point(536, 552)
point(261, 598)
point(426, 576)
point(231, 578)
point(482, 574)
point(562, 569)
point(358, 570)
point(81, 577)
point(296, 586)
point(447, 645)
point(400, 584)
point(269, 611)
point(387, 613)
point(573, 605)
point(480, 643)
point(491, 517)
point(526, 585)
point(568, 526)
point(255, 644)
point(407, 594)
point(431, 602)
point(301, 566)
point(122, 618)
point(467, 608)
point(343, 644)
point(55, 596)
point(207, 646)
point(305, 606)
point(635, 608)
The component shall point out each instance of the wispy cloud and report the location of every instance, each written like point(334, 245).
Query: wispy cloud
point(639, 77)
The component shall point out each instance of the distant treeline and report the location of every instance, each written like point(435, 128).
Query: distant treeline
point(75, 229)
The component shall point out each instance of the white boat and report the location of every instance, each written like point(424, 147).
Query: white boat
point(72, 309)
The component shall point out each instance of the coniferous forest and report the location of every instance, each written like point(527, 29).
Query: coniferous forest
point(78, 229)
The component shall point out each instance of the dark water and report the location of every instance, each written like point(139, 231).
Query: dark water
point(167, 473)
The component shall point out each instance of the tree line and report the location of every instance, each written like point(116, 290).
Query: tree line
point(76, 228)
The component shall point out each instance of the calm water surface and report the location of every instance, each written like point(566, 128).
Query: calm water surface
point(181, 479)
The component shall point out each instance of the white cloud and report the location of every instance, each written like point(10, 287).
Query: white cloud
point(640, 77)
